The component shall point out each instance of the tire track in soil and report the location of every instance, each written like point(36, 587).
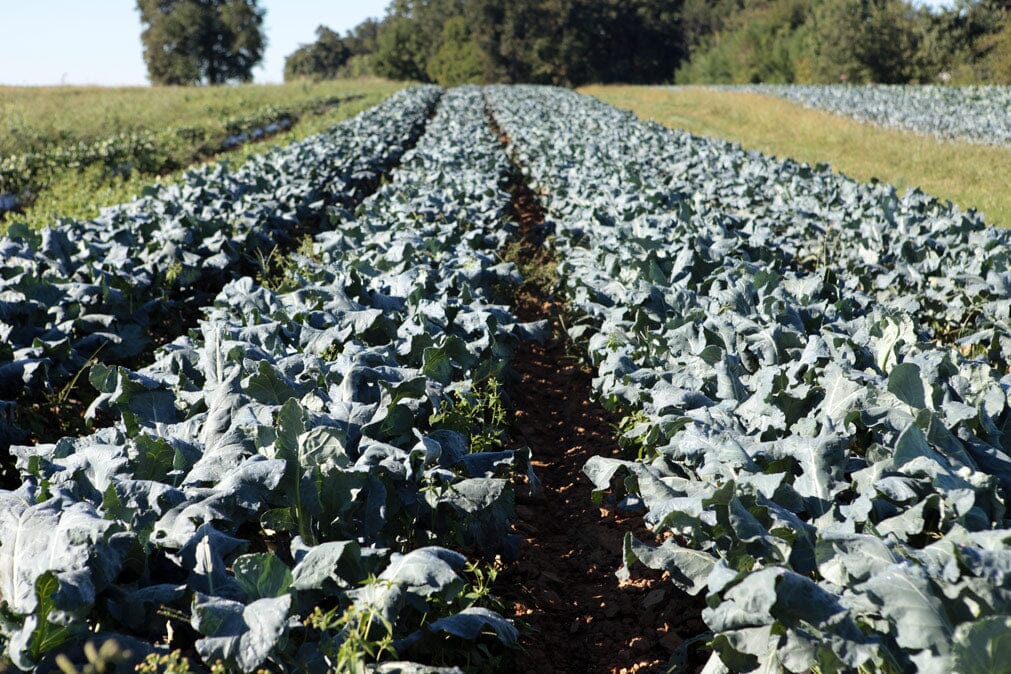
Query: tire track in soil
point(577, 616)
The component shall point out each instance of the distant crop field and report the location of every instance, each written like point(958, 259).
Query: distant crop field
point(65, 151)
point(969, 174)
point(36, 118)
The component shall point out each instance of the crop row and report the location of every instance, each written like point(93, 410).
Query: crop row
point(831, 477)
point(977, 114)
point(944, 268)
point(98, 288)
point(280, 482)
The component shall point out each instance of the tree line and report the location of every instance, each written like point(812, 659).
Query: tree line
point(572, 42)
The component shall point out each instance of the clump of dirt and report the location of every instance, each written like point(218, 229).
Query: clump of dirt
point(578, 616)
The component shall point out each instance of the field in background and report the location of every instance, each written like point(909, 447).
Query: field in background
point(35, 118)
point(971, 176)
point(39, 119)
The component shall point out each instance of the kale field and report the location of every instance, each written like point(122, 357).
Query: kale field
point(505, 379)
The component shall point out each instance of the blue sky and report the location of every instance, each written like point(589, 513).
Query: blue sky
point(98, 41)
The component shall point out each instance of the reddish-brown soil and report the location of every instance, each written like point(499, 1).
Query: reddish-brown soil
point(563, 589)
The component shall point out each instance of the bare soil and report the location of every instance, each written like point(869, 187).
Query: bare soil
point(563, 588)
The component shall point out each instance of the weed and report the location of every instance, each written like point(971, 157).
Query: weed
point(481, 579)
point(100, 660)
point(632, 438)
point(537, 266)
point(60, 413)
point(355, 637)
point(176, 663)
point(480, 414)
point(277, 270)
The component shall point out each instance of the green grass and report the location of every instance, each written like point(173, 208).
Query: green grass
point(80, 193)
point(34, 118)
point(972, 176)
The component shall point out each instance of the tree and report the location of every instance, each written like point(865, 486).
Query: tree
point(759, 42)
point(201, 41)
point(865, 41)
point(995, 65)
point(459, 60)
point(320, 60)
point(410, 36)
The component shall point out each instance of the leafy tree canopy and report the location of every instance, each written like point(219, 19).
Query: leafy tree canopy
point(201, 41)
point(573, 42)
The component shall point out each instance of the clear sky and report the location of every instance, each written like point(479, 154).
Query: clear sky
point(98, 41)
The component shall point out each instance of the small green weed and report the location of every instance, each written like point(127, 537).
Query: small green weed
point(645, 445)
point(278, 269)
point(176, 663)
point(355, 637)
point(537, 266)
point(481, 415)
point(100, 660)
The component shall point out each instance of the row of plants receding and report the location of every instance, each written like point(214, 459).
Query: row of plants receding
point(150, 153)
point(106, 290)
point(290, 486)
point(287, 485)
point(813, 378)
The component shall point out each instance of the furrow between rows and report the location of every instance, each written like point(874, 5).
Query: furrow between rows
point(578, 616)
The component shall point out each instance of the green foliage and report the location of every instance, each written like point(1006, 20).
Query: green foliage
point(859, 41)
point(655, 41)
point(401, 52)
point(201, 41)
point(319, 60)
point(100, 660)
point(356, 636)
point(480, 414)
point(995, 65)
point(75, 176)
point(459, 59)
point(362, 65)
point(568, 41)
point(762, 44)
point(332, 56)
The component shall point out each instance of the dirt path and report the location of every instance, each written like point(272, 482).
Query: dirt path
point(579, 617)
